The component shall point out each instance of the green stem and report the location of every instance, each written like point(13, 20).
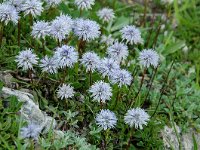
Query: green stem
point(101, 104)
point(151, 31)
point(58, 43)
point(1, 32)
point(80, 13)
point(43, 47)
point(32, 144)
point(30, 75)
point(118, 98)
point(106, 137)
point(31, 19)
point(140, 88)
point(162, 90)
point(81, 45)
point(90, 77)
point(19, 32)
point(151, 83)
point(129, 141)
point(145, 12)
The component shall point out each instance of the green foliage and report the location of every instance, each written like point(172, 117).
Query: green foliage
point(68, 139)
point(10, 123)
point(178, 95)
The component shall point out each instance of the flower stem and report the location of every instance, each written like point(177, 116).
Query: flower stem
point(101, 104)
point(106, 133)
point(81, 12)
point(118, 98)
point(80, 47)
point(151, 82)
point(140, 88)
point(1, 32)
point(162, 90)
point(90, 76)
point(19, 32)
point(32, 146)
point(143, 23)
point(43, 47)
point(157, 34)
point(30, 75)
point(151, 31)
point(129, 141)
point(31, 20)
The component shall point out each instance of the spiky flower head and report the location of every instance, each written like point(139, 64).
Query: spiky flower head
point(106, 14)
point(8, 13)
point(40, 29)
point(84, 4)
point(108, 66)
point(65, 91)
point(61, 27)
point(136, 117)
point(118, 51)
point(26, 59)
point(100, 91)
point(53, 3)
point(33, 7)
point(131, 34)
point(31, 131)
point(67, 56)
point(90, 60)
point(121, 77)
point(17, 4)
point(106, 119)
point(49, 65)
point(108, 40)
point(149, 57)
point(86, 29)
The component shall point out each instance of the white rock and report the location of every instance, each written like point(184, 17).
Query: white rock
point(170, 140)
point(30, 110)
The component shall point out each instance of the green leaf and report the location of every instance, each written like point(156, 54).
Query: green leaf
point(121, 22)
point(172, 48)
point(195, 142)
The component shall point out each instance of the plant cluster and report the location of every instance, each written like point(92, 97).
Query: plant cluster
point(104, 77)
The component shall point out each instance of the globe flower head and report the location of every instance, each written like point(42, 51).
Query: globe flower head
point(8, 13)
point(149, 57)
point(86, 29)
point(106, 119)
point(136, 117)
point(107, 67)
point(131, 34)
point(33, 7)
point(108, 40)
point(118, 51)
point(84, 4)
point(17, 4)
point(90, 60)
point(67, 56)
point(61, 27)
point(40, 29)
point(31, 131)
point(53, 3)
point(100, 91)
point(65, 91)
point(49, 65)
point(26, 59)
point(106, 14)
point(121, 77)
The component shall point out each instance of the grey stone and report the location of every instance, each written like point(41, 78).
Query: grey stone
point(30, 110)
point(170, 140)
